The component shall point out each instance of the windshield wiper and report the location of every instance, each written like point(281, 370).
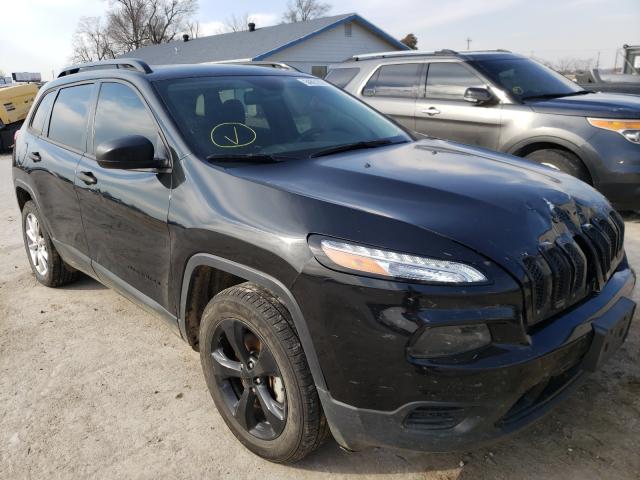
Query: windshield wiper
point(353, 146)
point(242, 157)
point(556, 95)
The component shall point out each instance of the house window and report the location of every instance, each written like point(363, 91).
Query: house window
point(319, 71)
point(347, 29)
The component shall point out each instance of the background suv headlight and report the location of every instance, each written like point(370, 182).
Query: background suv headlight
point(629, 129)
point(369, 260)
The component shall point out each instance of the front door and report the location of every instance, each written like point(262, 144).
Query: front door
point(125, 211)
point(444, 113)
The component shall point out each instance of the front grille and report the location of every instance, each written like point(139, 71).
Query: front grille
point(574, 265)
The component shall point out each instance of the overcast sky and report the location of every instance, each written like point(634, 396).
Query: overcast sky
point(552, 29)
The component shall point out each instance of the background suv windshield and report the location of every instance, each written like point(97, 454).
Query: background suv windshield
point(270, 115)
point(524, 78)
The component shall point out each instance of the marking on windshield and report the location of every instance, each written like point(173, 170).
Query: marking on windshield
point(232, 135)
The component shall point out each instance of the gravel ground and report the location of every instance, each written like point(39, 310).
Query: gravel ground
point(93, 386)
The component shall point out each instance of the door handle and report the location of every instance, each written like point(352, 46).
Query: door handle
point(88, 178)
point(431, 111)
point(35, 156)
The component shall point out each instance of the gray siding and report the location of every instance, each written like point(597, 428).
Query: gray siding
point(330, 47)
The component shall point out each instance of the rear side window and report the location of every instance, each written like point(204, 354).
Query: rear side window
point(340, 77)
point(69, 116)
point(40, 116)
point(449, 80)
point(120, 113)
point(400, 80)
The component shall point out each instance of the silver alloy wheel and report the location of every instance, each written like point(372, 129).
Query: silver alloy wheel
point(37, 245)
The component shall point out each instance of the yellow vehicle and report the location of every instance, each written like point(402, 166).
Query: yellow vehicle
point(15, 102)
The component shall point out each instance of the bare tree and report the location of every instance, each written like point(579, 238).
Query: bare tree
point(131, 24)
point(303, 10)
point(91, 41)
point(571, 65)
point(193, 28)
point(410, 41)
point(168, 18)
point(236, 23)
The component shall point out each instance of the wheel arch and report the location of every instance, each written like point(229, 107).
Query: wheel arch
point(535, 144)
point(244, 273)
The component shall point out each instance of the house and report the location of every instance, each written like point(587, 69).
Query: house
point(309, 46)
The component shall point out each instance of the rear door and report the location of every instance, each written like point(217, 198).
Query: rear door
point(57, 140)
point(125, 211)
point(393, 89)
point(444, 113)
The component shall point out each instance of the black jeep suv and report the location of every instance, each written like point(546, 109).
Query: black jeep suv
point(334, 272)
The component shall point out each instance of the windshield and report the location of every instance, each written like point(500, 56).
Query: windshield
point(524, 78)
point(282, 116)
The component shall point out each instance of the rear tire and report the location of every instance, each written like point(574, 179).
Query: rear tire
point(46, 264)
point(562, 160)
point(243, 329)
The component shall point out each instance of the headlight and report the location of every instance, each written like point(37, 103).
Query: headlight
point(629, 129)
point(398, 265)
point(450, 340)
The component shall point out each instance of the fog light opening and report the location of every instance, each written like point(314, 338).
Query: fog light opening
point(448, 340)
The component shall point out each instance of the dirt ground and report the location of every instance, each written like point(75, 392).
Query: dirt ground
point(93, 386)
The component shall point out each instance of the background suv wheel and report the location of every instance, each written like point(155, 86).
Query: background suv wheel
point(561, 160)
point(258, 376)
point(46, 264)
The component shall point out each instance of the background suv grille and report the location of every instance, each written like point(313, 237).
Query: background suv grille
point(573, 267)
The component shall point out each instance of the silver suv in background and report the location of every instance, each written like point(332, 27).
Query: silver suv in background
point(509, 103)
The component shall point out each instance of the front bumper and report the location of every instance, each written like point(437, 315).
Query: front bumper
point(462, 405)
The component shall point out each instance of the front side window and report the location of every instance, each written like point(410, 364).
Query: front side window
point(68, 123)
point(341, 77)
point(270, 115)
point(120, 113)
point(40, 116)
point(524, 78)
point(401, 80)
point(448, 80)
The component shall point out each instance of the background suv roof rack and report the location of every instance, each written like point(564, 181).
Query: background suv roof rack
point(125, 63)
point(403, 53)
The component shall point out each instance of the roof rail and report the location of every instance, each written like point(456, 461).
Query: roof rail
point(444, 51)
point(124, 63)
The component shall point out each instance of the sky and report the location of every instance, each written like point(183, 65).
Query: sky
point(547, 29)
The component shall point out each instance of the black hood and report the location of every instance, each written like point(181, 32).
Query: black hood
point(603, 105)
point(498, 205)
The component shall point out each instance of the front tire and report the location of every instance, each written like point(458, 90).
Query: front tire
point(562, 160)
point(258, 375)
point(46, 264)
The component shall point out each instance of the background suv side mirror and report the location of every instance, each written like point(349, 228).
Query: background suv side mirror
point(478, 95)
point(128, 153)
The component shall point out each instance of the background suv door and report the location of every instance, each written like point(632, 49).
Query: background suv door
point(125, 211)
point(56, 140)
point(444, 113)
point(393, 89)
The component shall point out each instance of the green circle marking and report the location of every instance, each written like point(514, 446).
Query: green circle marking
point(232, 135)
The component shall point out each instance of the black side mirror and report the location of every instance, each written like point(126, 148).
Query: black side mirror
point(128, 153)
point(478, 95)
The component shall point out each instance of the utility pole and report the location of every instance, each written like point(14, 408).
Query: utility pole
point(468, 42)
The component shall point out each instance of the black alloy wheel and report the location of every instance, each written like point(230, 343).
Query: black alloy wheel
point(248, 377)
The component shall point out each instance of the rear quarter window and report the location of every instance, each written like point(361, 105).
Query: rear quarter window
point(340, 77)
point(68, 123)
point(42, 112)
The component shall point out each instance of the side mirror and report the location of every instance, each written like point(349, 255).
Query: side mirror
point(478, 95)
point(128, 153)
